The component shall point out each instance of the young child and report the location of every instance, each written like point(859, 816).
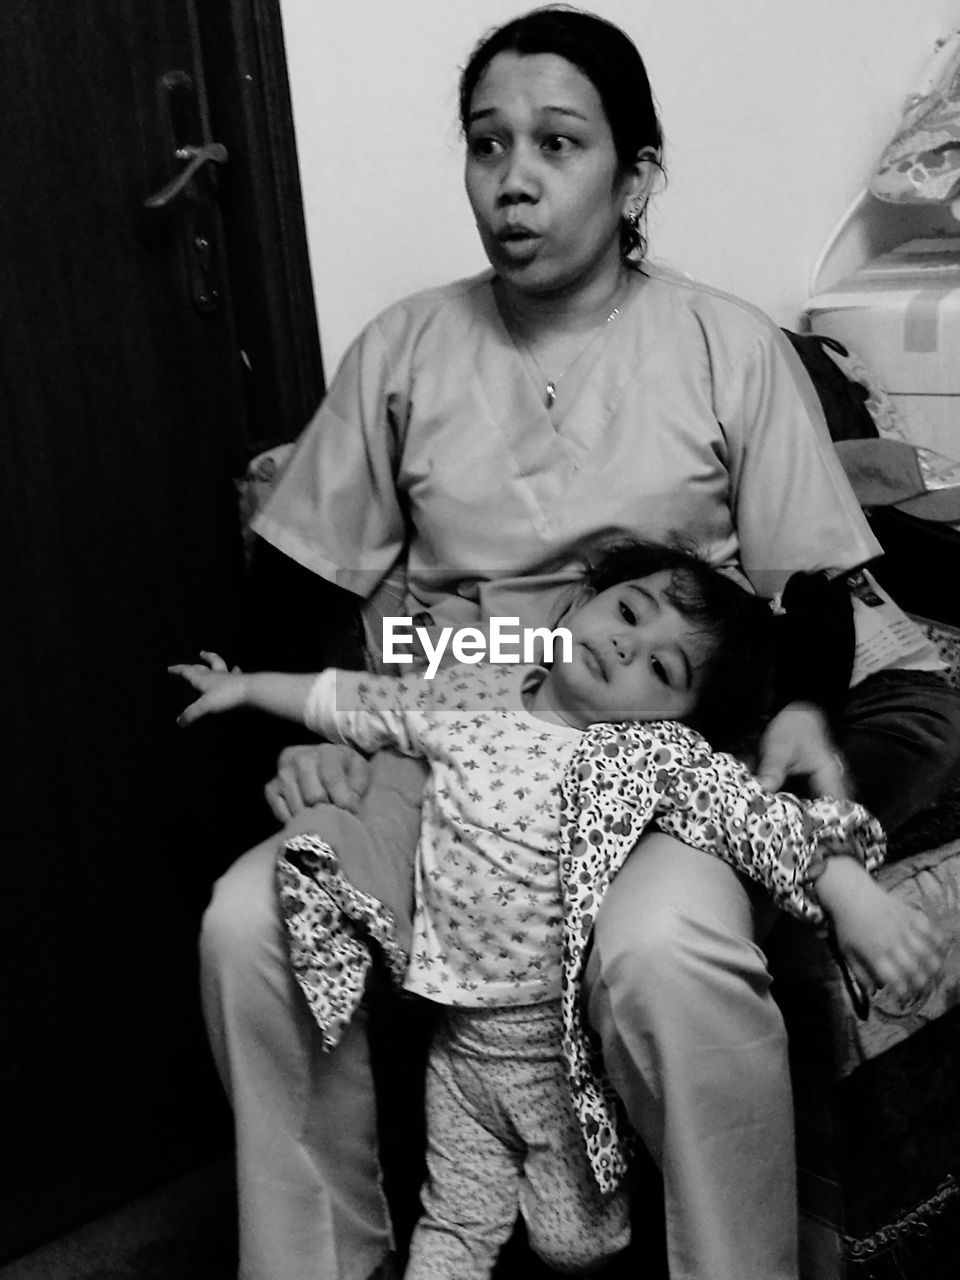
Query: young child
point(511, 864)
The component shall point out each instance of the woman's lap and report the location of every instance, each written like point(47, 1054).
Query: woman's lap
point(308, 1175)
point(678, 991)
point(664, 918)
point(900, 733)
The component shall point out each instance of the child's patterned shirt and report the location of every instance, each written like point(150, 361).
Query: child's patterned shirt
point(623, 777)
point(488, 923)
point(524, 827)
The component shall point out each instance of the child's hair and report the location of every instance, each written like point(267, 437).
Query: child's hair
point(736, 696)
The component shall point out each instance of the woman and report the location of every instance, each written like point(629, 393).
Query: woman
point(473, 434)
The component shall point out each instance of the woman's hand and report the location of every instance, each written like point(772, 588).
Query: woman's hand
point(327, 773)
point(886, 942)
point(797, 743)
point(220, 689)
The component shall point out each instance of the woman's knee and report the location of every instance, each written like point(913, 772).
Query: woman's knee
point(676, 926)
point(672, 961)
point(241, 920)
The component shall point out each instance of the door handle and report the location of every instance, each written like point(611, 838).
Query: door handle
point(190, 193)
point(197, 157)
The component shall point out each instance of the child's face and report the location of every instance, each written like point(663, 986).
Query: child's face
point(635, 657)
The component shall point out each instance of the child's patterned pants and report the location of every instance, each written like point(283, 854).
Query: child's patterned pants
point(502, 1138)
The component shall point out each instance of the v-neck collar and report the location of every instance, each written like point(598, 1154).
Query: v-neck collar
point(515, 391)
point(572, 381)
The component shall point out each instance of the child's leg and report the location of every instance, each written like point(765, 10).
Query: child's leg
point(570, 1224)
point(470, 1197)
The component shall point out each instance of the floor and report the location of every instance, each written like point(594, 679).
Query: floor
point(186, 1231)
point(183, 1231)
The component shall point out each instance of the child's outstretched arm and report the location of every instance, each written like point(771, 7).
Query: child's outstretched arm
point(223, 690)
point(353, 707)
point(886, 942)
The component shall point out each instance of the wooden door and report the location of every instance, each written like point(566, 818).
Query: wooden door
point(123, 420)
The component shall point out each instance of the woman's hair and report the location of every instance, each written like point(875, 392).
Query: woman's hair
point(610, 61)
point(736, 696)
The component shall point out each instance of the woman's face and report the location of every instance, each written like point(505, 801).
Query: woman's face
point(543, 177)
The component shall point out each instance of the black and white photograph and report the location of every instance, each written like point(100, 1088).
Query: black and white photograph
point(480, 547)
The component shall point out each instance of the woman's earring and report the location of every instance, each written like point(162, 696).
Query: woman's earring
point(632, 240)
point(635, 214)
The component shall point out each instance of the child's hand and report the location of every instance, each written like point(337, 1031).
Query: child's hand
point(886, 942)
point(221, 690)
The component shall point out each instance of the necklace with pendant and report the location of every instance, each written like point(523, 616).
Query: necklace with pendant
point(550, 391)
point(550, 385)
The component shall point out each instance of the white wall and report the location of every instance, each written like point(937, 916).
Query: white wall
point(774, 112)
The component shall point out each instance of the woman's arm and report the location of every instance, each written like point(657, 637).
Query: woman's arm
point(814, 646)
point(799, 524)
point(295, 620)
point(792, 504)
point(334, 509)
point(797, 747)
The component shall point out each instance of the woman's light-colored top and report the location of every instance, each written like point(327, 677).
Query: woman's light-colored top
point(691, 415)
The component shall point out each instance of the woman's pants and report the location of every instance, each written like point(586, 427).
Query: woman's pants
point(676, 986)
point(310, 1201)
